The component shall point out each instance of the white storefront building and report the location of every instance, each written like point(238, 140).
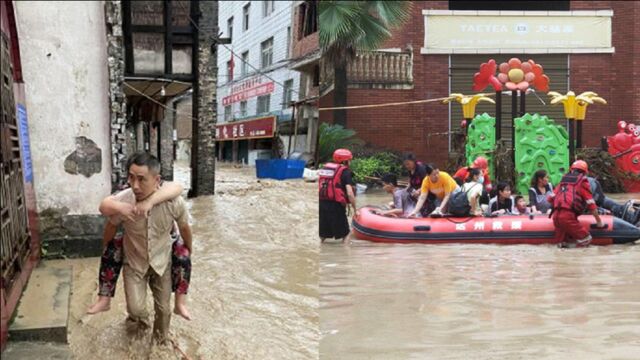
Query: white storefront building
point(255, 85)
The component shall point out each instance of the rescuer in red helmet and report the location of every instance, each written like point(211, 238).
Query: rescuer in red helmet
point(570, 199)
point(336, 191)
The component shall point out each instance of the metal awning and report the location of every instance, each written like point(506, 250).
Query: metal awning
point(152, 87)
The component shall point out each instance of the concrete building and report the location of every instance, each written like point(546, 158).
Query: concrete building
point(64, 68)
point(582, 46)
point(305, 58)
point(85, 85)
point(256, 87)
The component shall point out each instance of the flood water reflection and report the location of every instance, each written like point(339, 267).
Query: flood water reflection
point(459, 301)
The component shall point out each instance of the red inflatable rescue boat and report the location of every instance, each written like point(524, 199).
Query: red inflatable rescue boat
point(507, 229)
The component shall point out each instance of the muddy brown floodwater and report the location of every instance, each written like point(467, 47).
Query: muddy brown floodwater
point(254, 289)
point(416, 301)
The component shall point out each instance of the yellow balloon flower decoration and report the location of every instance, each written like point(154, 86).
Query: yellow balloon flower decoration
point(575, 107)
point(468, 102)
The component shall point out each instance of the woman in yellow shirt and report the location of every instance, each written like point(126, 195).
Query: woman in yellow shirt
point(440, 184)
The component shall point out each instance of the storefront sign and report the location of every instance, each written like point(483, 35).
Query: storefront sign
point(248, 89)
point(492, 32)
point(250, 129)
point(23, 131)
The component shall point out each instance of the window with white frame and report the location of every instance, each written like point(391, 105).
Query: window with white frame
point(244, 68)
point(227, 113)
point(287, 93)
point(268, 7)
point(266, 50)
point(243, 108)
point(245, 17)
point(263, 104)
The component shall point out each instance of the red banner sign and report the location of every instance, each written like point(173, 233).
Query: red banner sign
point(249, 129)
point(247, 89)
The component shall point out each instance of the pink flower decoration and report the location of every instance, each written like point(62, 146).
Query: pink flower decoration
point(486, 76)
point(518, 75)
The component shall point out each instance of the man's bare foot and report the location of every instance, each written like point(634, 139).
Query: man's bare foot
point(102, 304)
point(180, 307)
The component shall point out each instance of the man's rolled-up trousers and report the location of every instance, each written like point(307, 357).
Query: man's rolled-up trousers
point(135, 286)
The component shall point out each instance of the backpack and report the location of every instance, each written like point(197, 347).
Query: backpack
point(567, 196)
point(459, 203)
point(329, 183)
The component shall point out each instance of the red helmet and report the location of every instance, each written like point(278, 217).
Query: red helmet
point(580, 165)
point(480, 163)
point(341, 155)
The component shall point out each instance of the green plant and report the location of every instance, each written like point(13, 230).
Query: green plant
point(367, 168)
point(332, 137)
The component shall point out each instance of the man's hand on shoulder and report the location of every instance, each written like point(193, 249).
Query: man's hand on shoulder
point(142, 208)
point(127, 211)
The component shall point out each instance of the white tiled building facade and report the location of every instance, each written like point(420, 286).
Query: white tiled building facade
point(260, 32)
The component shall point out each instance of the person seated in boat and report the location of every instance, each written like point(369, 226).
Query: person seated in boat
point(540, 189)
point(479, 163)
point(570, 199)
point(417, 172)
point(441, 185)
point(473, 189)
point(503, 202)
point(521, 207)
point(402, 204)
point(607, 205)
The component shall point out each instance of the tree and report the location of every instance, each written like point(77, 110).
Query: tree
point(349, 26)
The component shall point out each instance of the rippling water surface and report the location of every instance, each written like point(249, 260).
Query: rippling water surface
point(463, 301)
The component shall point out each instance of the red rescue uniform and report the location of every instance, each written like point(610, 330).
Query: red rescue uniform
point(565, 219)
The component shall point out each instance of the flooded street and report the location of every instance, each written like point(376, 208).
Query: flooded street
point(254, 285)
point(416, 301)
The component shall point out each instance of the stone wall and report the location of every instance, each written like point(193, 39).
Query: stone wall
point(203, 162)
point(117, 99)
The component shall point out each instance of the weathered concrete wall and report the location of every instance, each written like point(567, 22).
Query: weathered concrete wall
point(64, 63)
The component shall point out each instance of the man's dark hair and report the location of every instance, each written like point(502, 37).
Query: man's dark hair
point(143, 158)
point(502, 185)
point(429, 168)
point(518, 197)
point(473, 172)
point(410, 157)
point(390, 179)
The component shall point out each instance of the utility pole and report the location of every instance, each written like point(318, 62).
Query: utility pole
point(205, 70)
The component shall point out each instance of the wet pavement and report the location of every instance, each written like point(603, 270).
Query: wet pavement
point(254, 290)
point(460, 301)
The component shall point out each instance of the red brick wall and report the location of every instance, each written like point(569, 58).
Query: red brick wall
point(406, 128)
point(613, 76)
point(305, 45)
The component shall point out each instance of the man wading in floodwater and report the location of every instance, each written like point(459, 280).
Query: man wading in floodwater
point(147, 246)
